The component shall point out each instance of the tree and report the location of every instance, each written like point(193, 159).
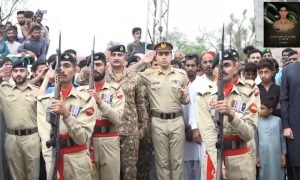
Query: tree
point(181, 43)
point(239, 32)
point(8, 8)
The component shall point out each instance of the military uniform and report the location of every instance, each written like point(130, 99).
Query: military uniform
point(105, 139)
point(167, 125)
point(243, 101)
point(75, 130)
point(22, 142)
point(134, 117)
point(283, 26)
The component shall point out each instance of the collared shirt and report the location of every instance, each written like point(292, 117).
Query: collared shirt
point(164, 89)
point(79, 124)
point(13, 47)
point(199, 85)
point(273, 93)
point(135, 113)
point(19, 106)
point(37, 46)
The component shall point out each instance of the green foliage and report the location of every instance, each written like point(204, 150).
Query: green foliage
point(181, 42)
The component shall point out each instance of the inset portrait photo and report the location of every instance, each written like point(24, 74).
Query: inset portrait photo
point(281, 24)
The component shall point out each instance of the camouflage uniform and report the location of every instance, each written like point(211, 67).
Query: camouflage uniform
point(134, 117)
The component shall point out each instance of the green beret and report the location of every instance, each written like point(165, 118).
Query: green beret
point(117, 48)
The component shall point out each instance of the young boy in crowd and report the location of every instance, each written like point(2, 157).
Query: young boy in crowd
point(270, 143)
point(250, 71)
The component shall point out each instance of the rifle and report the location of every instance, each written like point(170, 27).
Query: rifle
point(54, 119)
point(91, 67)
point(218, 116)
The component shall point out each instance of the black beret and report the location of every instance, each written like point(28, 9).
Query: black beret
point(235, 53)
point(72, 52)
point(99, 56)
point(192, 56)
point(163, 46)
point(19, 63)
point(117, 48)
point(68, 57)
point(227, 55)
point(28, 14)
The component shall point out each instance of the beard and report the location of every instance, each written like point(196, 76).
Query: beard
point(19, 80)
point(22, 23)
point(98, 76)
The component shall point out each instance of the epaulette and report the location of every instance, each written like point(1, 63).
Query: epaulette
point(149, 71)
point(180, 71)
point(47, 96)
point(84, 95)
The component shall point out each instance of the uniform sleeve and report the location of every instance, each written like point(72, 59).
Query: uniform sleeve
point(114, 112)
point(80, 128)
point(138, 67)
point(246, 125)
point(207, 128)
point(44, 132)
point(140, 92)
point(284, 99)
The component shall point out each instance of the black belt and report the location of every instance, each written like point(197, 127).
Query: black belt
point(166, 115)
point(102, 129)
point(235, 144)
point(63, 143)
point(22, 132)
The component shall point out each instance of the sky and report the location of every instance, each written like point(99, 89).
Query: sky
point(112, 20)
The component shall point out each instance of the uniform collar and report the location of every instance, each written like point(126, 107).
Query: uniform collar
point(233, 89)
point(172, 70)
point(28, 85)
point(101, 85)
point(112, 75)
point(72, 92)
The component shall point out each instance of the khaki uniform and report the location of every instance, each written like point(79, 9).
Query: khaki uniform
point(106, 143)
point(134, 117)
point(283, 26)
point(245, 103)
point(78, 127)
point(167, 125)
point(22, 143)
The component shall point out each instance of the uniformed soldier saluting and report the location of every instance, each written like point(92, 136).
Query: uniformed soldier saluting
point(240, 108)
point(167, 89)
point(77, 110)
point(22, 143)
point(105, 147)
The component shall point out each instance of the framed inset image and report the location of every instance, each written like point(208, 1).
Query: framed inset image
point(281, 24)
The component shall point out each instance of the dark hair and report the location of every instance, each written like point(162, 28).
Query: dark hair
point(193, 57)
point(286, 50)
point(5, 59)
point(36, 64)
point(176, 62)
point(20, 12)
point(248, 49)
point(52, 59)
point(268, 102)
point(8, 22)
point(135, 29)
point(255, 51)
point(82, 63)
point(250, 67)
point(28, 14)
point(283, 6)
point(265, 63)
point(293, 52)
point(36, 27)
point(11, 29)
point(275, 63)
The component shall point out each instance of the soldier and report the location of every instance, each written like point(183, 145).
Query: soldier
point(167, 89)
point(283, 25)
point(105, 143)
point(77, 112)
point(240, 109)
point(135, 116)
point(22, 143)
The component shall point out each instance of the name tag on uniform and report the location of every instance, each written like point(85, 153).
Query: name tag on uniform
point(238, 106)
point(75, 110)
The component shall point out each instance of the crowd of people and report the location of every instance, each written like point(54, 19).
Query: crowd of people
point(146, 112)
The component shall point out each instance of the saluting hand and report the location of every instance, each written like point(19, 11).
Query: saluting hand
point(148, 56)
point(59, 107)
point(223, 108)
